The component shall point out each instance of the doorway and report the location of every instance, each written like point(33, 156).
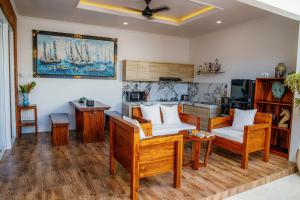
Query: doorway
point(7, 86)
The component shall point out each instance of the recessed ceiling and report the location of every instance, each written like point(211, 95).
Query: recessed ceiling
point(230, 12)
point(181, 11)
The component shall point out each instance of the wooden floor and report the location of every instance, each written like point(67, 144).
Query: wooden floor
point(36, 170)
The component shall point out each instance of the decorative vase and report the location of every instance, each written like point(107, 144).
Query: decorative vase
point(280, 70)
point(25, 99)
point(298, 159)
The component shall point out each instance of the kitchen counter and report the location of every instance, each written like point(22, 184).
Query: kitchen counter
point(201, 105)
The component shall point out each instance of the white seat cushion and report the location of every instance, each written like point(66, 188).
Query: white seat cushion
point(229, 133)
point(168, 129)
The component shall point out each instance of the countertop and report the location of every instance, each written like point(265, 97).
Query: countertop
point(201, 105)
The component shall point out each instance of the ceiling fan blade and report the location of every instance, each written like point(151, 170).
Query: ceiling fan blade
point(133, 9)
point(160, 9)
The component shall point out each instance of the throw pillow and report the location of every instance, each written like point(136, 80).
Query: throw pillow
point(135, 122)
point(170, 114)
point(243, 118)
point(151, 113)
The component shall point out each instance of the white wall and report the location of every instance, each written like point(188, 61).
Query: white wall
point(52, 95)
point(248, 49)
point(290, 8)
point(295, 137)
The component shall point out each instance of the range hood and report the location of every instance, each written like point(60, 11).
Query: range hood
point(169, 79)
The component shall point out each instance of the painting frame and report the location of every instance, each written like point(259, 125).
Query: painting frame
point(35, 53)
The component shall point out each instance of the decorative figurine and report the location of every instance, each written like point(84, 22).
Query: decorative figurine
point(280, 70)
point(278, 89)
point(286, 117)
point(217, 66)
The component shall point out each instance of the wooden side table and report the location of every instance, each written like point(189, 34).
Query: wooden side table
point(25, 123)
point(196, 147)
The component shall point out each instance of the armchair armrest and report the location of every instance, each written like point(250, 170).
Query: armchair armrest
point(220, 122)
point(190, 119)
point(141, 120)
point(257, 127)
point(147, 128)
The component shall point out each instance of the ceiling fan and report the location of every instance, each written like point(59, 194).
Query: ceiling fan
point(148, 12)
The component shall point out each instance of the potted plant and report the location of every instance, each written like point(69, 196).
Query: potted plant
point(293, 82)
point(25, 90)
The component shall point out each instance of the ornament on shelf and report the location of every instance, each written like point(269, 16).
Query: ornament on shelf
point(286, 117)
point(210, 67)
point(278, 90)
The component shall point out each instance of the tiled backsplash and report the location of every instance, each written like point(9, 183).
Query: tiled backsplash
point(207, 92)
point(198, 92)
point(157, 90)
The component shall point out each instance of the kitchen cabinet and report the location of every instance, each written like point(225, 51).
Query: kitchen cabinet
point(152, 71)
point(205, 113)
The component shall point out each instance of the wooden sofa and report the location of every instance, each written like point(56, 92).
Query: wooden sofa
point(254, 138)
point(142, 158)
point(148, 127)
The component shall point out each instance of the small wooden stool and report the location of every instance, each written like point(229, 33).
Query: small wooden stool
point(60, 129)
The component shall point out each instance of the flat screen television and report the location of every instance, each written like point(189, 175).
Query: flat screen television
point(242, 90)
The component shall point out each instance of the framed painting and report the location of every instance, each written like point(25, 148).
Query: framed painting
point(64, 55)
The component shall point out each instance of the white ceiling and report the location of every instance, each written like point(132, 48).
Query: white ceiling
point(233, 12)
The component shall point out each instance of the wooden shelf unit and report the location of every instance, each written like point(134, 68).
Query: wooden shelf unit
point(264, 101)
point(26, 123)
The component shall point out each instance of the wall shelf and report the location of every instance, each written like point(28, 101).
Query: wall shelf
point(220, 72)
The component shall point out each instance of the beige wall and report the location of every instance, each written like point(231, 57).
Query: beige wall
point(52, 95)
point(248, 49)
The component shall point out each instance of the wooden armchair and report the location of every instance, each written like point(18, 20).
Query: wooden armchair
point(147, 126)
point(142, 158)
point(254, 138)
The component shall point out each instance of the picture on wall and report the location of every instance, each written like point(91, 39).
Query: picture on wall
point(63, 55)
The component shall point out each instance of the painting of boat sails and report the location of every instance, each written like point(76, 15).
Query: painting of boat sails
point(63, 55)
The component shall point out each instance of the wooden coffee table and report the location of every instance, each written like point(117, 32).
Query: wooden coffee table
point(196, 147)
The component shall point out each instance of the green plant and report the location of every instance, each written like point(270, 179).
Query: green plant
point(27, 88)
point(293, 83)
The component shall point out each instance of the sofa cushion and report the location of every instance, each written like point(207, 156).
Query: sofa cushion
point(229, 133)
point(135, 122)
point(170, 114)
point(168, 129)
point(243, 118)
point(151, 113)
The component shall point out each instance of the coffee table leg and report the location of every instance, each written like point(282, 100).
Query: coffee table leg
point(196, 154)
point(208, 151)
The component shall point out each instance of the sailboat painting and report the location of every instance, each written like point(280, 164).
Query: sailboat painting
point(64, 55)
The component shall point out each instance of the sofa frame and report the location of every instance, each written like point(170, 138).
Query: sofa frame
point(143, 158)
point(256, 137)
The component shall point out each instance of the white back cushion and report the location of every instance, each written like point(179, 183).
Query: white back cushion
point(170, 114)
point(135, 122)
point(243, 118)
point(151, 113)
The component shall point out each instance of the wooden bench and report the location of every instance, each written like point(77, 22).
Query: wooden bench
point(60, 128)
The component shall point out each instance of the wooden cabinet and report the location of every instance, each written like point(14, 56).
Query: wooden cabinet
point(151, 71)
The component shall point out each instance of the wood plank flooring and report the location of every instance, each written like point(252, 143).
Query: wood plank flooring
point(34, 169)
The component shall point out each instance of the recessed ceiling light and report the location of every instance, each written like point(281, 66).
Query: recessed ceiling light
point(219, 22)
point(125, 23)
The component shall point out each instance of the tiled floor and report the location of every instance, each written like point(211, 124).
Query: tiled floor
point(36, 170)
